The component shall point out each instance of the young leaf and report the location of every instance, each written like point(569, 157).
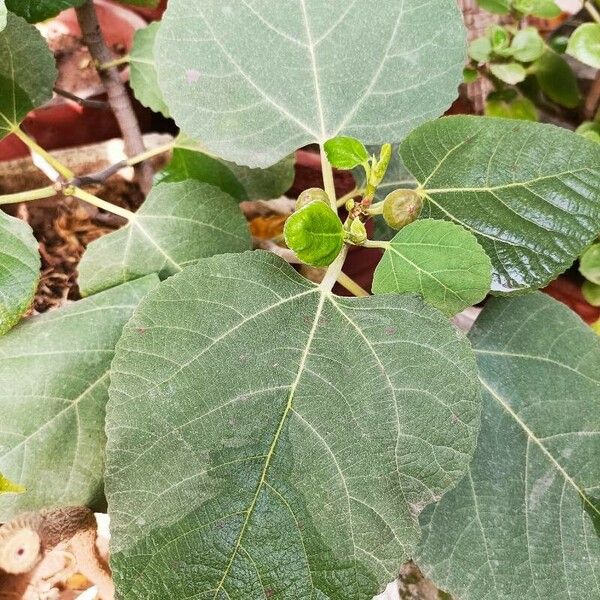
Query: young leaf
point(499, 7)
point(346, 152)
point(584, 44)
point(315, 234)
point(19, 270)
point(35, 11)
point(144, 79)
point(524, 521)
point(480, 49)
point(557, 80)
point(527, 45)
point(511, 73)
point(255, 81)
point(178, 224)
point(529, 192)
point(441, 261)
point(27, 72)
point(8, 487)
point(589, 263)
point(284, 439)
point(191, 162)
point(519, 108)
point(53, 389)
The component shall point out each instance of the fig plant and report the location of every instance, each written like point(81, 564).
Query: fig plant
point(258, 436)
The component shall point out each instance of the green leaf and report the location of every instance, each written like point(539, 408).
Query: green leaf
point(519, 108)
point(144, 3)
point(284, 438)
point(591, 292)
point(257, 80)
point(2, 15)
point(557, 80)
point(480, 49)
point(35, 11)
point(527, 191)
point(584, 44)
point(524, 521)
point(511, 73)
point(589, 264)
point(178, 224)
point(470, 75)
point(314, 232)
point(545, 9)
point(19, 270)
point(527, 45)
point(346, 152)
point(8, 487)
point(144, 79)
point(54, 375)
point(441, 261)
point(499, 7)
point(243, 183)
point(27, 72)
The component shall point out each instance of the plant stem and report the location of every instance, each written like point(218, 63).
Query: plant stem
point(376, 244)
point(115, 89)
point(375, 209)
point(35, 147)
point(334, 270)
point(37, 194)
point(592, 11)
point(81, 101)
point(117, 62)
point(328, 182)
point(349, 196)
point(94, 200)
point(135, 160)
point(351, 285)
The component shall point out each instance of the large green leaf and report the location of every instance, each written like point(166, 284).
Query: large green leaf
point(257, 79)
point(190, 161)
point(27, 72)
point(584, 44)
point(40, 10)
point(19, 269)
point(281, 441)
point(144, 80)
point(54, 376)
point(441, 261)
point(178, 224)
point(525, 521)
point(529, 192)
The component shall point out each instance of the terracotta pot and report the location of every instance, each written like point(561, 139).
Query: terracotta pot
point(64, 123)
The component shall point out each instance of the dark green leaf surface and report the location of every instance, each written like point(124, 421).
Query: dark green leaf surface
point(27, 72)
point(243, 183)
point(440, 261)
point(280, 441)
point(143, 79)
point(557, 80)
point(19, 269)
point(178, 224)
point(54, 375)
point(256, 80)
point(529, 192)
point(40, 10)
point(524, 523)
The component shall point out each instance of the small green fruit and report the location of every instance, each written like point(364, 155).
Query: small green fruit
point(357, 233)
point(402, 207)
point(310, 195)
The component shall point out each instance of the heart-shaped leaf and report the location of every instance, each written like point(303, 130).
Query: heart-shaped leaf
point(27, 72)
point(529, 192)
point(283, 439)
point(143, 78)
point(584, 44)
point(190, 161)
point(525, 521)
point(255, 80)
point(54, 375)
point(35, 11)
point(441, 261)
point(314, 232)
point(19, 269)
point(178, 224)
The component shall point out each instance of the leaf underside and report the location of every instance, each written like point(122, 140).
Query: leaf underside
point(525, 521)
point(279, 441)
point(54, 375)
point(529, 192)
point(257, 79)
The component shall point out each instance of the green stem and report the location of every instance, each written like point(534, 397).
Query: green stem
point(33, 145)
point(136, 160)
point(349, 196)
point(375, 209)
point(376, 244)
point(115, 63)
point(334, 270)
point(37, 194)
point(328, 182)
point(95, 201)
point(351, 285)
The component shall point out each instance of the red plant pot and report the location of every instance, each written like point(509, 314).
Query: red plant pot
point(63, 123)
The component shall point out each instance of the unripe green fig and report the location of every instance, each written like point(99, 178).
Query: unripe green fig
point(310, 195)
point(402, 207)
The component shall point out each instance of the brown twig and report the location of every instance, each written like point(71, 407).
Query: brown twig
point(81, 101)
point(115, 89)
